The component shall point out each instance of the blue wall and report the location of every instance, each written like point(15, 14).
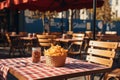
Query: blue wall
point(116, 27)
point(59, 25)
point(33, 25)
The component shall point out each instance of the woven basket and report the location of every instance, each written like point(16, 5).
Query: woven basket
point(56, 61)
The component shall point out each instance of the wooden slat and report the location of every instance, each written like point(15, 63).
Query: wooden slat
point(41, 36)
point(78, 43)
point(111, 45)
point(44, 40)
point(104, 53)
point(78, 35)
point(45, 44)
point(99, 60)
point(78, 38)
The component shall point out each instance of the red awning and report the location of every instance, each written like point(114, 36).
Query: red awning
point(4, 4)
point(10, 3)
point(51, 5)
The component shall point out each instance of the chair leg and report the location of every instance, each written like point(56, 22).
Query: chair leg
point(88, 77)
point(106, 76)
point(102, 76)
point(23, 51)
point(112, 78)
point(14, 50)
point(10, 51)
point(19, 50)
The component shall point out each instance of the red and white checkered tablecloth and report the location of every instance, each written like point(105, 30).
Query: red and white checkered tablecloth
point(3, 72)
point(32, 71)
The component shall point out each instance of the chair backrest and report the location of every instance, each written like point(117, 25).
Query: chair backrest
point(79, 36)
point(44, 40)
point(76, 45)
point(101, 52)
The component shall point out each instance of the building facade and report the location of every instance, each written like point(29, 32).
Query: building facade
point(115, 11)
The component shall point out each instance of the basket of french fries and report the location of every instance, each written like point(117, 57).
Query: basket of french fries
point(55, 56)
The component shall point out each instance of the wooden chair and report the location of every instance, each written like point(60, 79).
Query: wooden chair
point(64, 43)
point(52, 37)
point(101, 52)
point(75, 47)
point(115, 74)
point(44, 41)
point(15, 44)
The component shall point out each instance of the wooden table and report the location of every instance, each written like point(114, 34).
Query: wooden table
point(24, 69)
point(28, 38)
point(29, 41)
point(65, 42)
point(15, 35)
point(68, 41)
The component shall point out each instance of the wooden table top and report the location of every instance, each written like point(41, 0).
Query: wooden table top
point(28, 38)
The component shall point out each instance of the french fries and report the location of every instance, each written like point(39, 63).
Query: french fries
point(55, 51)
